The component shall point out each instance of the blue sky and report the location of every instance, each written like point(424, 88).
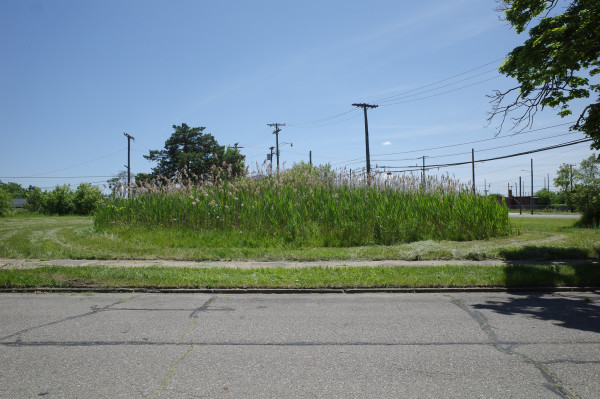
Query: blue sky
point(75, 75)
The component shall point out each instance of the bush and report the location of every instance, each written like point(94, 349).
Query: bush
point(5, 202)
point(546, 197)
point(587, 200)
point(87, 199)
point(36, 199)
point(60, 201)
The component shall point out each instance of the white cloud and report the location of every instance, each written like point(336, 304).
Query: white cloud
point(386, 143)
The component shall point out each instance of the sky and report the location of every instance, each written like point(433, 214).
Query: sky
point(76, 75)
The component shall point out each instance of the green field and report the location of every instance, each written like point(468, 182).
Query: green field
point(54, 237)
point(73, 237)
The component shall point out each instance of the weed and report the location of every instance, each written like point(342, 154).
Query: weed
point(308, 208)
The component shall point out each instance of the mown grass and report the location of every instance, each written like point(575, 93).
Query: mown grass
point(303, 208)
point(72, 237)
point(321, 277)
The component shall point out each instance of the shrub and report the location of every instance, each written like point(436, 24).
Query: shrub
point(60, 201)
point(87, 199)
point(6, 199)
point(36, 199)
point(587, 200)
point(546, 197)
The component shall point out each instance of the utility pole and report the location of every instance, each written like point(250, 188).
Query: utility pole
point(520, 197)
point(364, 107)
point(276, 133)
point(129, 138)
point(310, 158)
point(531, 198)
point(473, 167)
point(571, 190)
point(423, 173)
point(271, 157)
point(520, 187)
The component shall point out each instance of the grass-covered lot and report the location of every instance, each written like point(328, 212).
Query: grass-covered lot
point(42, 237)
point(74, 237)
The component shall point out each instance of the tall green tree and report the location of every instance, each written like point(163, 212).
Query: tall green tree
point(197, 153)
point(588, 173)
point(558, 63)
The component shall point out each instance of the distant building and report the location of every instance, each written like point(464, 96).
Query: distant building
point(19, 203)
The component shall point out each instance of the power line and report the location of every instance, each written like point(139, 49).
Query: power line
point(361, 159)
point(389, 100)
point(487, 149)
point(319, 121)
point(570, 143)
point(83, 163)
point(439, 94)
point(475, 141)
point(440, 81)
point(399, 96)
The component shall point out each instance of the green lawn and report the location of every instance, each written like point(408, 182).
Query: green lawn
point(42, 237)
point(585, 275)
point(53, 237)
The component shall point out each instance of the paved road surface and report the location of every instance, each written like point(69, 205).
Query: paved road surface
point(287, 346)
point(527, 214)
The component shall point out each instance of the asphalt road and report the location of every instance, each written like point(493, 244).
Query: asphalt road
point(527, 214)
point(288, 346)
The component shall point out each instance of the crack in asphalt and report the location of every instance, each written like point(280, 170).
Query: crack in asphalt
point(194, 317)
point(556, 385)
point(94, 310)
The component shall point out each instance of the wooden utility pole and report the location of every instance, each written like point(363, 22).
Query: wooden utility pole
point(276, 133)
point(423, 173)
point(531, 198)
point(129, 138)
point(270, 156)
point(364, 107)
point(473, 167)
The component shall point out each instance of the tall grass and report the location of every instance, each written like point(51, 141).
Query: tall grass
point(309, 207)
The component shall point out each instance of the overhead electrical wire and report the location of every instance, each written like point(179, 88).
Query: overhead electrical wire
point(446, 165)
point(482, 150)
point(391, 100)
point(400, 96)
point(425, 150)
point(319, 121)
point(439, 81)
point(83, 163)
point(439, 94)
point(474, 141)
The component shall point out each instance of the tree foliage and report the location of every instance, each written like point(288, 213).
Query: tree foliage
point(558, 63)
point(14, 189)
point(64, 201)
point(580, 187)
point(191, 151)
point(5, 202)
